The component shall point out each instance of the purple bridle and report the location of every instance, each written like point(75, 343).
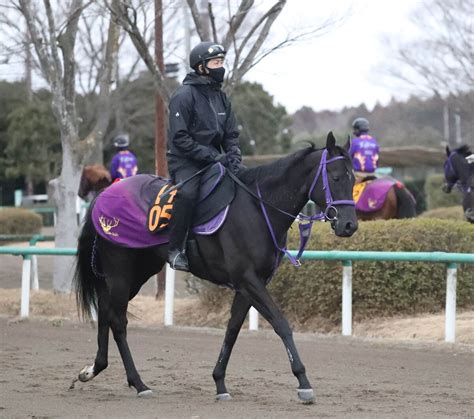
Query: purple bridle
point(327, 190)
point(305, 227)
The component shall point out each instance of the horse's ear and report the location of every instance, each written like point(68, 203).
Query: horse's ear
point(347, 145)
point(330, 141)
point(448, 151)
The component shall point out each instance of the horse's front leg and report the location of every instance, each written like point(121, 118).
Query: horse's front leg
point(254, 290)
point(239, 309)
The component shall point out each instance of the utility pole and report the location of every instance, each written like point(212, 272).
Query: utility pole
point(446, 123)
point(161, 167)
point(457, 126)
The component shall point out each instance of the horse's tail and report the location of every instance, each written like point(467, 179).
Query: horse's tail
point(87, 284)
point(406, 205)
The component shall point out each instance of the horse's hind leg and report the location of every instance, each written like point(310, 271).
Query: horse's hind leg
point(240, 307)
point(118, 324)
point(101, 359)
point(259, 297)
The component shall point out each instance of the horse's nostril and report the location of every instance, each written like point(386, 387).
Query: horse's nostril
point(350, 226)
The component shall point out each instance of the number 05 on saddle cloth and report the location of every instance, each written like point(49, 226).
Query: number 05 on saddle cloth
point(136, 211)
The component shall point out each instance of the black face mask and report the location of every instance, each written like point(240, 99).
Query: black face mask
point(217, 74)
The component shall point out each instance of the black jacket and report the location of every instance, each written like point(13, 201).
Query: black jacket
point(201, 122)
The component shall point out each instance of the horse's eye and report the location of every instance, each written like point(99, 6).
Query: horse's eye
point(335, 178)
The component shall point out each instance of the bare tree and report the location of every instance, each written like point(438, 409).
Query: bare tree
point(244, 31)
point(441, 61)
point(53, 31)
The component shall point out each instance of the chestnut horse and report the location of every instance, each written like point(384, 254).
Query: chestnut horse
point(94, 178)
point(399, 204)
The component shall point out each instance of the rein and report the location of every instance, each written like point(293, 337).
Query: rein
point(306, 224)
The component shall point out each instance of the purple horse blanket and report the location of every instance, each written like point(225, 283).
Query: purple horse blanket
point(370, 195)
point(120, 213)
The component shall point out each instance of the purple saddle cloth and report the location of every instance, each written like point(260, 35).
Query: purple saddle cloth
point(120, 213)
point(374, 194)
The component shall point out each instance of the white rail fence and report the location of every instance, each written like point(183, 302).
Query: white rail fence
point(29, 279)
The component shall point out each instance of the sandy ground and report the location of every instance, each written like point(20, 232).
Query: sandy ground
point(351, 377)
point(409, 373)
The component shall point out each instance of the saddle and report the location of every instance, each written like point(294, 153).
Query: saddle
point(370, 194)
point(136, 211)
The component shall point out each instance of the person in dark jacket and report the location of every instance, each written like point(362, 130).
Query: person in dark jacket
point(202, 130)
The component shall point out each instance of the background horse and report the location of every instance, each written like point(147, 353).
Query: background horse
point(459, 172)
point(399, 203)
point(243, 255)
point(94, 178)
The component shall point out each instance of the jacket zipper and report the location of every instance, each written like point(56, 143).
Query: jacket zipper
point(215, 114)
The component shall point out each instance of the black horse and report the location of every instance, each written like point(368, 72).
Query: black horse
point(459, 171)
point(242, 254)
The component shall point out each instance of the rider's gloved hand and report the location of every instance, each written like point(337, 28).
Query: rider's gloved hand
point(237, 168)
point(222, 159)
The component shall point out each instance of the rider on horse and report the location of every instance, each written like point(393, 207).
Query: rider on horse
point(364, 149)
point(124, 163)
point(202, 130)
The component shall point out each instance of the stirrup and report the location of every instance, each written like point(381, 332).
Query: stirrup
point(178, 261)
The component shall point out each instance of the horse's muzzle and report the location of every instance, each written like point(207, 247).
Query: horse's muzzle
point(446, 188)
point(344, 228)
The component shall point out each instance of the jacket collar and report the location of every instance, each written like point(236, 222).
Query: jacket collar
point(195, 79)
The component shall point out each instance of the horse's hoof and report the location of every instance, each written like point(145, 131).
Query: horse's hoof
point(87, 373)
point(145, 394)
point(223, 396)
point(306, 395)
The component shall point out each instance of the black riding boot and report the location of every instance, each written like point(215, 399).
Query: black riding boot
point(179, 227)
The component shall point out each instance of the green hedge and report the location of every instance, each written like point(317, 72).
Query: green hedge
point(19, 221)
point(313, 291)
point(436, 198)
point(445, 213)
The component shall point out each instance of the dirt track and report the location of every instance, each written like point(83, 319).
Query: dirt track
point(352, 378)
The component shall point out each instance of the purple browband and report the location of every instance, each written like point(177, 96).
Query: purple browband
point(305, 228)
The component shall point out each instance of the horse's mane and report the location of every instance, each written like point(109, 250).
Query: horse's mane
point(97, 172)
point(281, 165)
point(464, 150)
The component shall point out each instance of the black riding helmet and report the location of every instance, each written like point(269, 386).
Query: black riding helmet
point(122, 141)
point(205, 51)
point(360, 125)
